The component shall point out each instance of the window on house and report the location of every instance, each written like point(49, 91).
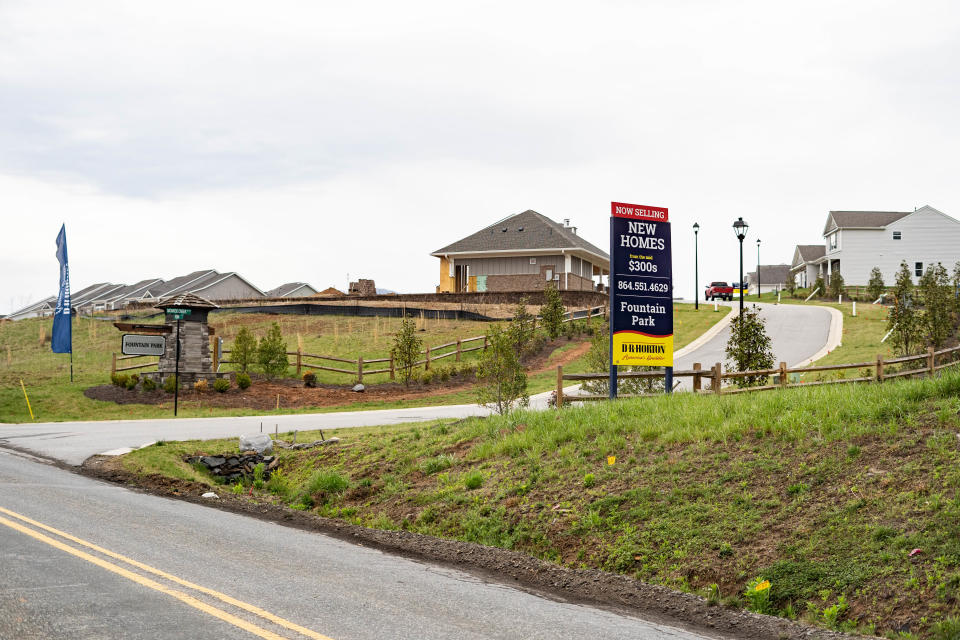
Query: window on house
point(533, 261)
point(549, 274)
point(833, 241)
point(896, 235)
point(918, 269)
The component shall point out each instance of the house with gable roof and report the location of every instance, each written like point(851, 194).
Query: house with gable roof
point(857, 241)
point(522, 252)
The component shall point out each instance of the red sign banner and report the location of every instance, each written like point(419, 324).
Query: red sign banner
point(638, 212)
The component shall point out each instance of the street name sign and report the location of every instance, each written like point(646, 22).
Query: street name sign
point(136, 345)
point(178, 313)
point(641, 286)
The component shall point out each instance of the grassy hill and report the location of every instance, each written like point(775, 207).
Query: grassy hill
point(825, 492)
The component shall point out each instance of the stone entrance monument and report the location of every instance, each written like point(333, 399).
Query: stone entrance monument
point(196, 362)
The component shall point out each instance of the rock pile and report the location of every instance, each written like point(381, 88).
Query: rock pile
point(233, 467)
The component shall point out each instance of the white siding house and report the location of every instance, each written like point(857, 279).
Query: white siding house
point(857, 241)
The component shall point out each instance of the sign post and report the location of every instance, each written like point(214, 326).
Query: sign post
point(176, 370)
point(641, 290)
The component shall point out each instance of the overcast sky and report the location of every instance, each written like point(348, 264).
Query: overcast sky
point(305, 141)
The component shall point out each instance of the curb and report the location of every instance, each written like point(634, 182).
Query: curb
point(834, 337)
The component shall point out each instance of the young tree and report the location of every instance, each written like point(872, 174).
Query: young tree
point(244, 352)
point(935, 290)
point(406, 349)
point(955, 293)
point(503, 381)
point(552, 312)
point(598, 361)
point(272, 353)
point(836, 285)
point(749, 347)
point(905, 319)
point(521, 327)
point(875, 287)
point(789, 285)
point(818, 287)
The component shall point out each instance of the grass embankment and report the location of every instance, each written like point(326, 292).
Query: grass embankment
point(824, 491)
point(25, 354)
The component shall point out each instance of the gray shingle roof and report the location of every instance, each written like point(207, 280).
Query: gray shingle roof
point(194, 280)
point(527, 230)
point(288, 288)
point(862, 219)
point(811, 252)
point(770, 274)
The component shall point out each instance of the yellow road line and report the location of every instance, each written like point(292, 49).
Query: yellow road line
point(137, 578)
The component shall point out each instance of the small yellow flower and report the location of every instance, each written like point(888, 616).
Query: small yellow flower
point(763, 586)
point(611, 460)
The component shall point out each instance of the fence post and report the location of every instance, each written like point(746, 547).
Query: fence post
point(458, 351)
point(880, 367)
point(113, 367)
point(393, 375)
point(932, 360)
point(360, 370)
point(717, 377)
point(299, 360)
point(559, 386)
point(426, 367)
point(783, 374)
point(696, 377)
point(484, 343)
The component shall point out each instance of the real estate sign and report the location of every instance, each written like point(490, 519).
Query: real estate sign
point(641, 286)
point(139, 345)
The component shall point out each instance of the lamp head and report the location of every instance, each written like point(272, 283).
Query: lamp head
point(696, 227)
point(740, 229)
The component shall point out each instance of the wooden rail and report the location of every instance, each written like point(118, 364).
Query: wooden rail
point(716, 375)
point(430, 353)
point(119, 358)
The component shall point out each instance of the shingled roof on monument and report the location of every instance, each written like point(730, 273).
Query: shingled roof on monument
point(520, 232)
point(188, 300)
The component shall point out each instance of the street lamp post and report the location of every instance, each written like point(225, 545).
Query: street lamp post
point(696, 284)
point(740, 228)
point(758, 268)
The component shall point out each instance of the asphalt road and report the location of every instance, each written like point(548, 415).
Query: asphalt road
point(167, 569)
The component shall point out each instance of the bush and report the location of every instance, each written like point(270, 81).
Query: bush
point(749, 347)
point(278, 484)
point(243, 380)
point(272, 353)
point(406, 350)
point(503, 381)
point(115, 379)
point(876, 286)
point(131, 383)
point(836, 288)
point(426, 377)
point(552, 311)
point(244, 352)
point(149, 384)
point(170, 384)
point(522, 327)
point(221, 385)
point(310, 379)
point(200, 386)
point(135, 378)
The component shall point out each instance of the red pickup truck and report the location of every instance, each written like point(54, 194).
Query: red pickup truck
point(720, 290)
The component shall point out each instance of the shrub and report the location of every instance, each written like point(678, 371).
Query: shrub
point(258, 472)
point(149, 384)
point(749, 347)
point(200, 386)
point(503, 381)
point(904, 318)
point(836, 285)
point(937, 294)
point(818, 284)
point(473, 480)
point(131, 383)
point(875, 287)
point(426, 377)
point(522, 327)
point(406, 350)
point(115, 379)
point(324, 483)
point(278, 484)
point(135, 378)
point(442, 374)
point(243, 380)
point(589, 480)
point(122, 379)
point(310, 379)
point(244, 352)
point(170, 384)
point(552, 311)
point(272, 353)
point(221, 385)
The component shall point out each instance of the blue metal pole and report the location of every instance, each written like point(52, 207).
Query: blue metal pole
point(668, 379)
point(612, 284)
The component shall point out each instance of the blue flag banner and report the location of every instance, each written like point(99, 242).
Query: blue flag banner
point(61, 339)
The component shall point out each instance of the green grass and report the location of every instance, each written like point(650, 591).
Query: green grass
point(25, 354)
point(823, 491)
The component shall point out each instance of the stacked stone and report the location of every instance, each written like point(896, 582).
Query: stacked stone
point(233, 467)
point(195, 359)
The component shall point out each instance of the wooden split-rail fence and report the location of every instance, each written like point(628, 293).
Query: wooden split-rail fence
point(928, 365)
point(359, 367)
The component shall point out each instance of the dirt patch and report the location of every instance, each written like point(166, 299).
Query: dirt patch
point(262, 395)
point(610, 591)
